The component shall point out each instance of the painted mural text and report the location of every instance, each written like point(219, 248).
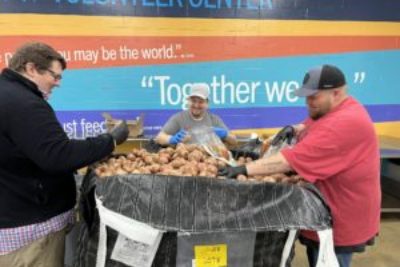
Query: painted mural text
point(81, 128)
point(223, 91)
point(121, 53)
point(193, 4)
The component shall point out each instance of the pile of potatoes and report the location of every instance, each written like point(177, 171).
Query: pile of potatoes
point(184, 160)
point(274, 178)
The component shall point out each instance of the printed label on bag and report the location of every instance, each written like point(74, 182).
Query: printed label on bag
point(134, 253)
point(211, 255)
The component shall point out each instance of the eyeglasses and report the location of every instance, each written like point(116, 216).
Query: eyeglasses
point(56, 76)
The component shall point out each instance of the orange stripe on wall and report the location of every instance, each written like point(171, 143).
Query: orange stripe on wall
point(171, 50)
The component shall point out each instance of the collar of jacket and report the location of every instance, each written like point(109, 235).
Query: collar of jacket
point(15, 76)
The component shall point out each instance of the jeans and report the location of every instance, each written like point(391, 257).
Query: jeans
point(344, 259)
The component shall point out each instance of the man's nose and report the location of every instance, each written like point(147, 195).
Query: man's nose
point(57, 83)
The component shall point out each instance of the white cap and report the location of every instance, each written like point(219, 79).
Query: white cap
point(201, 90)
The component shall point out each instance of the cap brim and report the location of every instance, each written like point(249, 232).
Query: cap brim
point(197, 95)
point(303, 92)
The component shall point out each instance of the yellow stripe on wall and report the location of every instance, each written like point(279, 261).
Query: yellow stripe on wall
point(388, 128)
point(387, 131)
point(73, 25)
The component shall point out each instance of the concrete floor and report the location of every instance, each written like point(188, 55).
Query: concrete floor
point(385, 252)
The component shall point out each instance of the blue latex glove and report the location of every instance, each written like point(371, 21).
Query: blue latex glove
point(178, 137)
point(221, 132)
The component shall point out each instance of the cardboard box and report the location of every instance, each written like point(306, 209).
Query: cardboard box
point(135, 126)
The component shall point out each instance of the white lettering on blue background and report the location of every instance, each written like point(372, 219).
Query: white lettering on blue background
point(222, 91)
point(206, 4)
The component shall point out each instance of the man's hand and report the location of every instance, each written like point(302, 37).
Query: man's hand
point(178, 137)
point(287, 133)
point(120, 132)
point(221, 132)
point(232, 172)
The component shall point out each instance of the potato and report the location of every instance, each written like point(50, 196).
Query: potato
point(121, 159)
point(191, 147)
point(120, 171)
point(196, 155)
point(203, 173)
point(170, 150)
point(145, 170)
point(155, 168)
point(163, 159)
point(190, 169)
point(148, 159)
point(177, 163)
point(279, 176)
point(211, 161)
point(257, 177)
point(128, 166)
point(211, 169)
point(269, 179)
point(131, 156)
point(99, 172)
point(241, 177)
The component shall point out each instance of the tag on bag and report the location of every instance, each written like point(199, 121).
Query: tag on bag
point(134, 253)
point(216, 249)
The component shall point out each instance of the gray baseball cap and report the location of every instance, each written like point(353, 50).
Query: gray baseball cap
point(323, 77)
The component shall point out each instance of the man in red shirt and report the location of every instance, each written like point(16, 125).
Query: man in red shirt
point(338, 151)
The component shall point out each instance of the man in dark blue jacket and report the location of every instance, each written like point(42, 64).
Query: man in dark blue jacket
point(37, 160)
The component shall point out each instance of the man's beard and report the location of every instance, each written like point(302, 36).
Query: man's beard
point(197, 115)
point(316, 116)
point(319, 113)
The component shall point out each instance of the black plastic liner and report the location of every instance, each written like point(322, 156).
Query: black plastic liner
point(200, 204)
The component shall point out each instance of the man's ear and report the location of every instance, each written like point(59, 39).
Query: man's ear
point(30, 69)
point(337, 92)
